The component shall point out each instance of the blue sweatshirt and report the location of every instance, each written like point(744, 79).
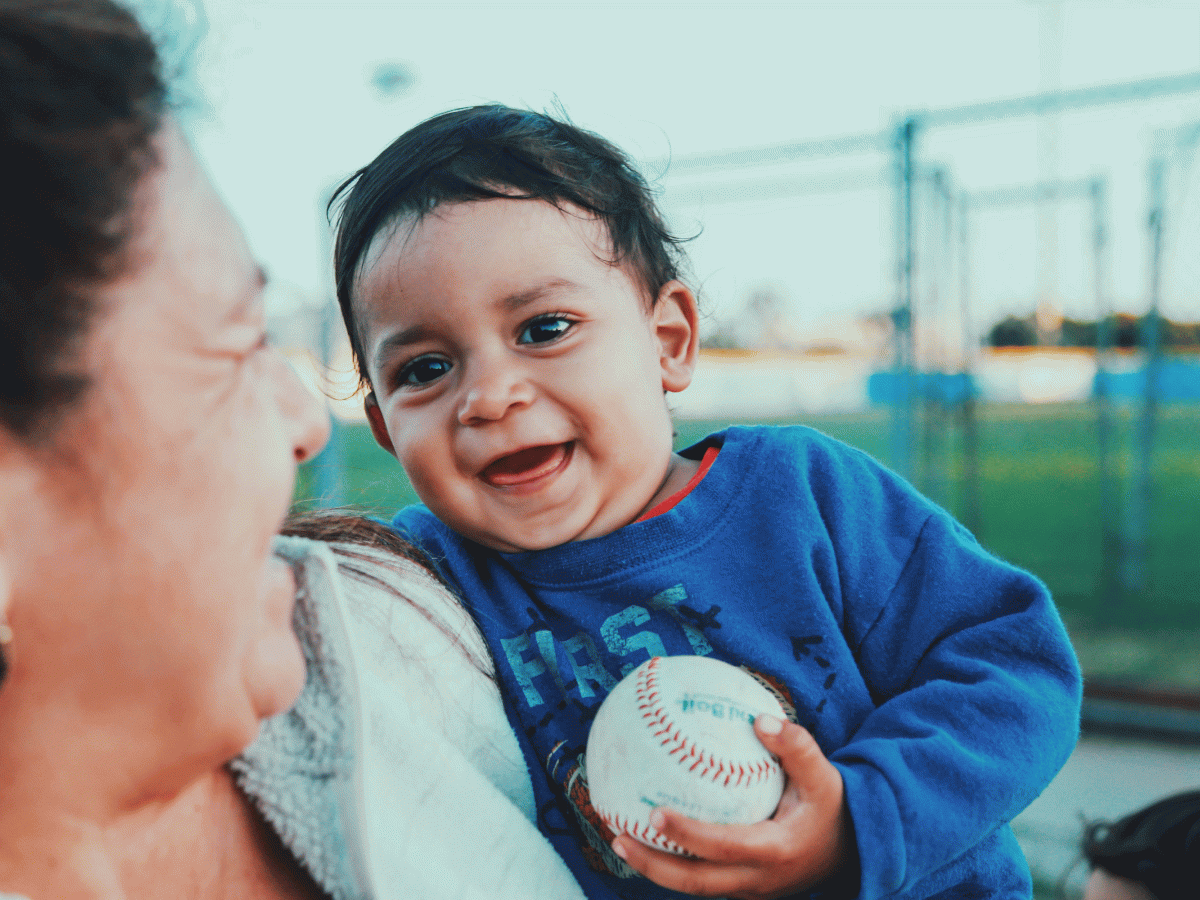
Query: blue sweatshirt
point(936, 677)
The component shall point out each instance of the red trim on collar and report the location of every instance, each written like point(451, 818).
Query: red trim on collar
point(710, 455)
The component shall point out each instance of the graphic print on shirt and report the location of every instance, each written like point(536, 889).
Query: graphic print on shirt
point(560, 672)
point(535, 652)
point(808, 647)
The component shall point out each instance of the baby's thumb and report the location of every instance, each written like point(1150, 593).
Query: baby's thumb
point(801, 758)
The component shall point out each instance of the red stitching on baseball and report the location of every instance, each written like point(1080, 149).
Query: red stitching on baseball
point(622, 825)
point(658, 717)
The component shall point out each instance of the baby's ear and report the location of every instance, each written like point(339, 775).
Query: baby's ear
point(675, 320)
point(378, 426)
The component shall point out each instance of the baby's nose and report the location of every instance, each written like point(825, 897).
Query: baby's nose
point(489, 396)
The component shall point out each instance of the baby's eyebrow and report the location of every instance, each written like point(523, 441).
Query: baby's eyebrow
point(514, 302)
point(400, 339)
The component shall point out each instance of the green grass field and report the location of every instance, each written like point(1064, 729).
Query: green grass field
point(1039, 506)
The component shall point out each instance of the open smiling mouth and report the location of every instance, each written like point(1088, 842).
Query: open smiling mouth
point(528, 466)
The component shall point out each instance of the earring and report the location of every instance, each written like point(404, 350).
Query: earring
point(6, 636)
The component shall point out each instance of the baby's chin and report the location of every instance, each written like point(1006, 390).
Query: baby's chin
point(531, 540)
point(515, 540)
point(511, 542)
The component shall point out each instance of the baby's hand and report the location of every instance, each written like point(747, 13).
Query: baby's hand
point(809, 839)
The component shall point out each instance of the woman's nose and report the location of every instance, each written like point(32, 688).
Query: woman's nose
point(314, 434)
point(305, 413)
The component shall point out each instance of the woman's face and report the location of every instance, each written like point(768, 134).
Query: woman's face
point(146, 599)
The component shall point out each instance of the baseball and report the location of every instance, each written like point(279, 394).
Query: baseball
point(677, 732)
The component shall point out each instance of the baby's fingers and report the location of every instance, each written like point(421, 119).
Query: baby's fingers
point(778, 840)
point(699, 877)
point(808, 840)
point(757, 845)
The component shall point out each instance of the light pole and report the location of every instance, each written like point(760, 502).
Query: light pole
point(391, 80)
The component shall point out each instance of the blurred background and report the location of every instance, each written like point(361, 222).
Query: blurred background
point(962, 236)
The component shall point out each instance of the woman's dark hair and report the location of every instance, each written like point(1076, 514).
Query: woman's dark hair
point(81, 98)
point(488, 152)
point(1158, 847)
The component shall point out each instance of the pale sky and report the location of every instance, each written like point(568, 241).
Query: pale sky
point(290, 109)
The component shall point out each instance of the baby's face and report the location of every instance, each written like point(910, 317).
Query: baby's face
point(518, 375)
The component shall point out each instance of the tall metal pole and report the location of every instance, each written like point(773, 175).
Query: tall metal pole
point(989, 111)
point(329, 465)
point(935, 450)
point(1110, 541)
point(1133, 573)
point(391, 79)
point(969, 203)
point(970, 422)
point(902, 315)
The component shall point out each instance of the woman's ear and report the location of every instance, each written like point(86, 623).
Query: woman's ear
point(6, 632)
point(16, 481)
point(675, 319)
point(378, 426)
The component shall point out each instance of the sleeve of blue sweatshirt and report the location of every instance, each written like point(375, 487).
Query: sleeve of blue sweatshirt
point(976, 687)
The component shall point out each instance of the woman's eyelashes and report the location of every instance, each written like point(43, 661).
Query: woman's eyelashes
point(542, 329)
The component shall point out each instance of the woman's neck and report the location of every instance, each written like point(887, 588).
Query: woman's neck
point(206, 842)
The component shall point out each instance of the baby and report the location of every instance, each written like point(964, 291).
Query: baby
point(516, 311)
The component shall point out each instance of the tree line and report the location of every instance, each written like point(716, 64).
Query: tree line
point(1123, 330)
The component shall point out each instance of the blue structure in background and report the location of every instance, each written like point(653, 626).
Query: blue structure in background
point(943, 387)
point(1176, 379)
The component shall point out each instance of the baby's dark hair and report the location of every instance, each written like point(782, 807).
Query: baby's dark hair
point(1157, 847)
point(490, 152)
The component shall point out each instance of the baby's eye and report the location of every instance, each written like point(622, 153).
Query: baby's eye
point(543, 329)
point(422, 371)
